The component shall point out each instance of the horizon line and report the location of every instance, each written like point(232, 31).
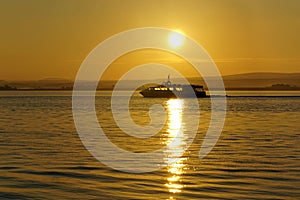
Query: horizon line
point(71, 79)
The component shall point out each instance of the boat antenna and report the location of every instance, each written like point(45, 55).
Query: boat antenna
point(169, 81)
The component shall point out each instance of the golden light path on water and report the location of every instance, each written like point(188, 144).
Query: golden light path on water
point(176, 141)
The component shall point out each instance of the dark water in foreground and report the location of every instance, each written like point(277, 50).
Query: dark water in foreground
point(256, 157)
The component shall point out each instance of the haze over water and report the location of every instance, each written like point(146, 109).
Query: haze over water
point(256, 157)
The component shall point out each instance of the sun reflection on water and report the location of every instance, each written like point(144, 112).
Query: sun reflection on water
point(176, 146)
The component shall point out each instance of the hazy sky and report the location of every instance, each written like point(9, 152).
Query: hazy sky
point(50, 38)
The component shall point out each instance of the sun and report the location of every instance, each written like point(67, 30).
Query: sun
point(176, 39)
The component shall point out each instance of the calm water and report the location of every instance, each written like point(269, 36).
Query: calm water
point(256, 157)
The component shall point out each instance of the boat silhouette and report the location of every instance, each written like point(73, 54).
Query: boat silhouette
point(170, 90)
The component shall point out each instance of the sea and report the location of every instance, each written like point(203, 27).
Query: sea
point(257, 155)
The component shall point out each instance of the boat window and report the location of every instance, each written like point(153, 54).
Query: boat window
point(199, 89)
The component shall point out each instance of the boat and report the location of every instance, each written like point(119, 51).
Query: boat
point(169, 90)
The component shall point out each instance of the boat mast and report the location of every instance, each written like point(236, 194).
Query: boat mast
point(169, 81)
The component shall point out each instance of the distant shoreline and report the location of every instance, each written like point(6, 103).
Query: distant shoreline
point(227, 89)
point(247, 81)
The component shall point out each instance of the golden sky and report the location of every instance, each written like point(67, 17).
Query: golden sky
point(50, 38)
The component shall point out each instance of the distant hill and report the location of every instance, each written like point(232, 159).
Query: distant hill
point(253, 80)
point(263, 75)
point(258, 80)
point(49, 83)
point(237, 81)
point(52, 80)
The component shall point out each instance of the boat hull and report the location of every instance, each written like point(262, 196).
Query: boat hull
point(171, 94)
